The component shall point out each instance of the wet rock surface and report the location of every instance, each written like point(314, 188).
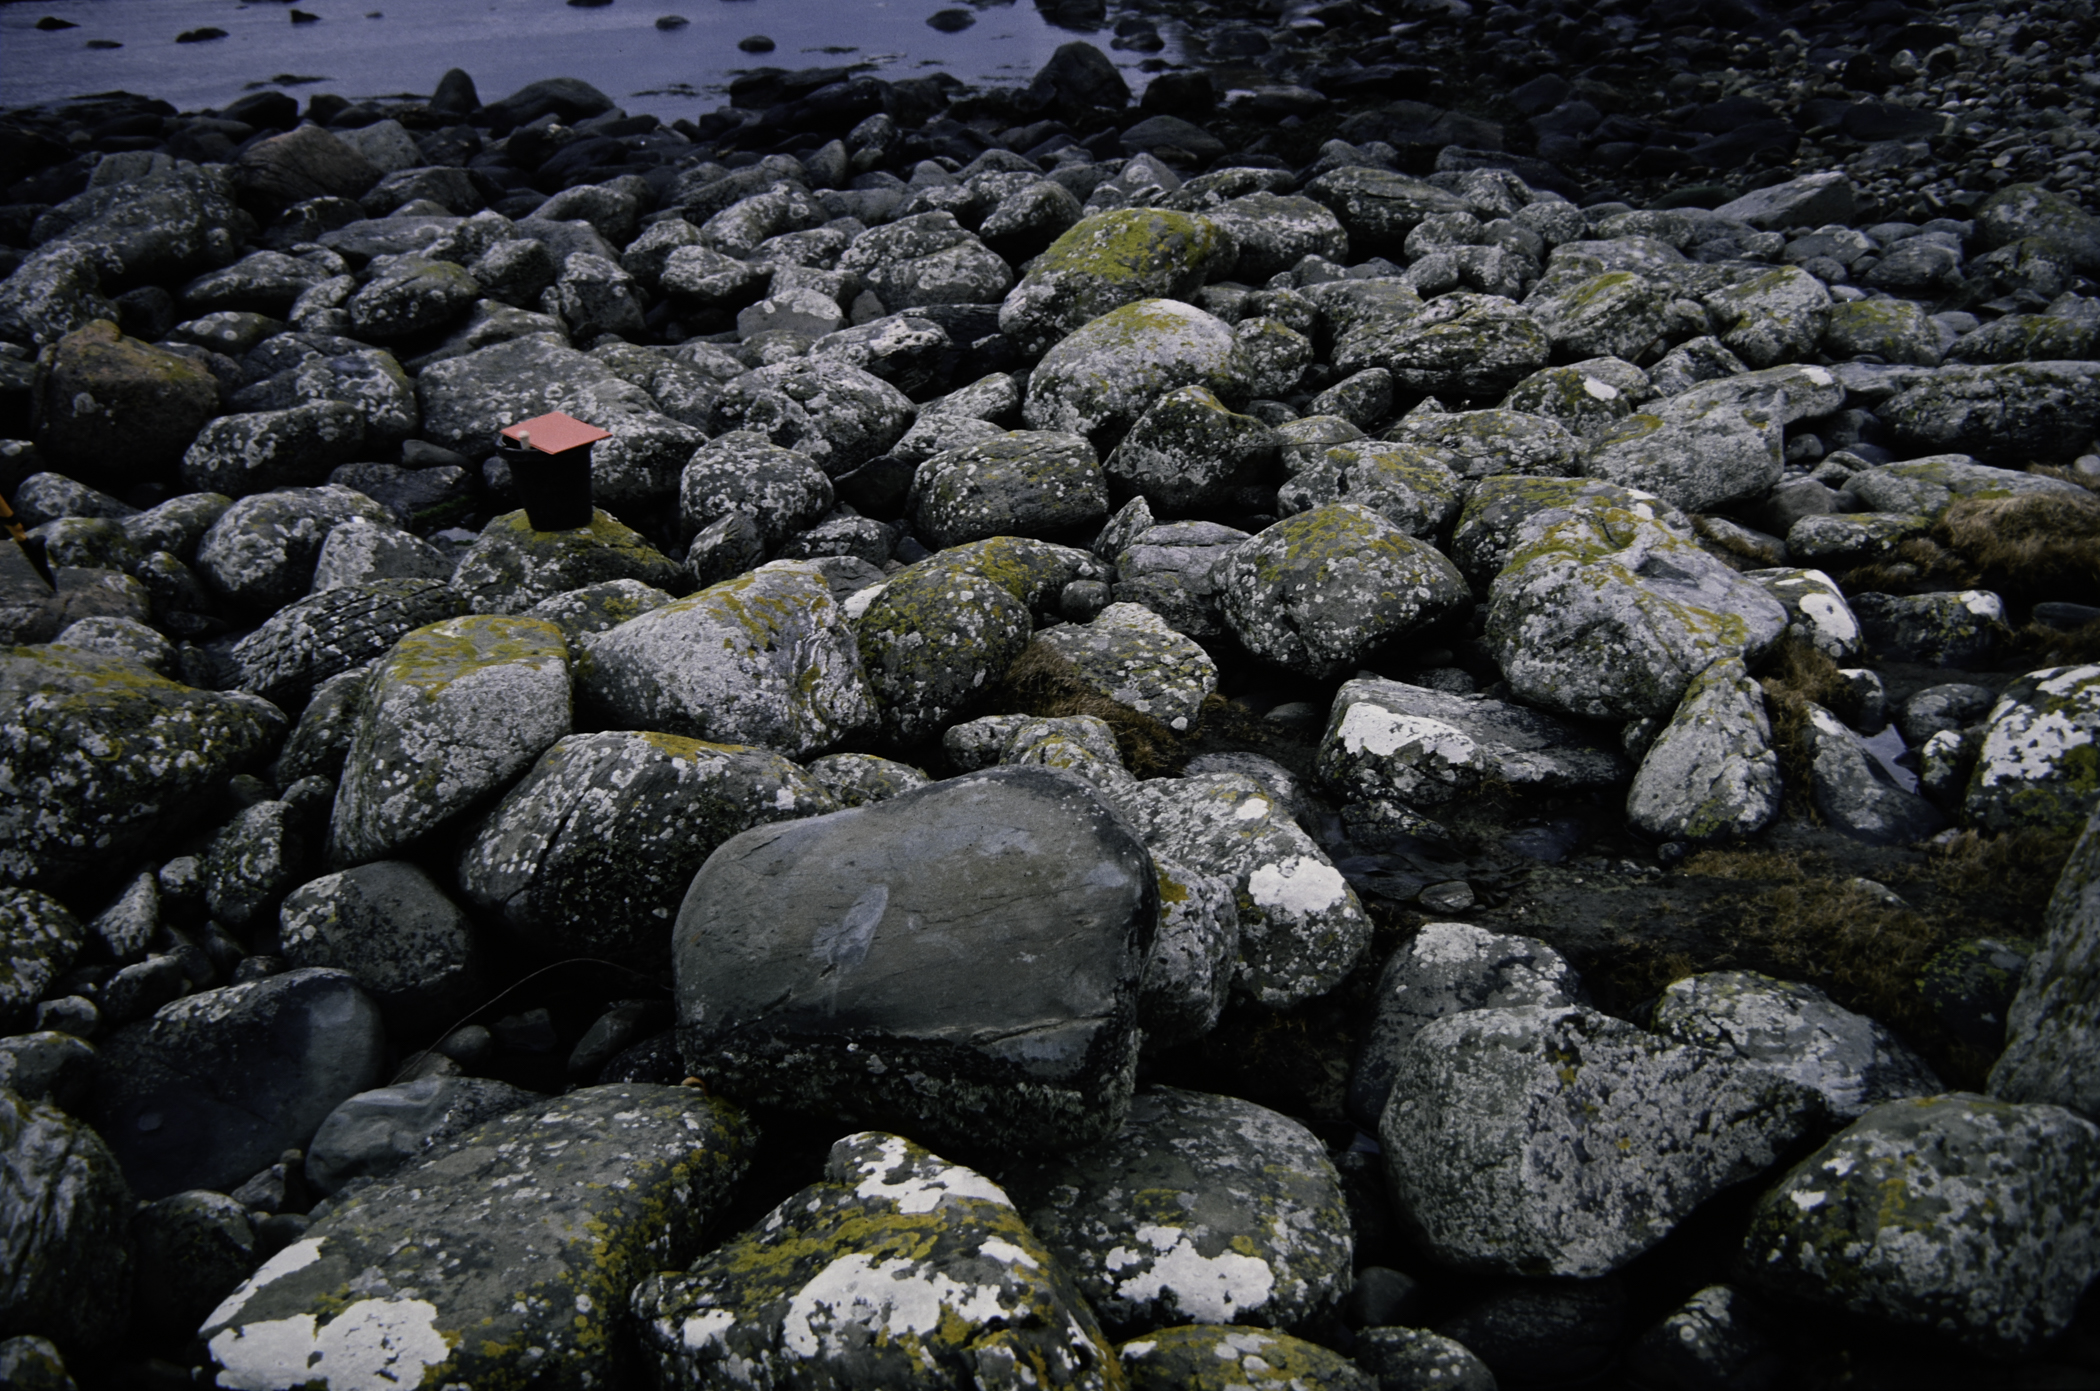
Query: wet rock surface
point(1387, 655)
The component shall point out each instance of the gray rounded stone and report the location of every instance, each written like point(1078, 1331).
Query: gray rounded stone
point(1101, 378)
point(1023, 483)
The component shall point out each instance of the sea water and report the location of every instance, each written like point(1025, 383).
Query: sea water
point(382, 48)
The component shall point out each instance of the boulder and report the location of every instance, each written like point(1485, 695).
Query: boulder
point(512, 567)
point(1131, 656)
point(2036, 766)
point(591, 852)
point(1609, 615)
point(376, 1132)
point(928, 258)
point(1189, 454)
point(1378, 208)
point(2014, 415)
point(1695, 458)
point(525, 1232)
point(1107, 261)
point(1503, 515)
point(313, 639)
point(39, 939)
point(191, 1250)
point(1953, 1213)
point(390, 926)
point(64, 1214)
point(452, 715)
point(1023, 483)
point(1102, 377)
point(1553, 1140)
point(1172, 570)
point(261, 552)
point(217, 1085)
point(835, 413)
point(104, 754)
point(1777, 316)
point(1412, 486)
point(119, 407)
point(897, 1268)
point(933, 637)
point(766, 659)
point(1855, 794)
point(1816, 608)
point(1200, 1207)
point(792, 993)
point(1302, 928)
point(1318, 592)
point(1712, 772)
point(1464, 344)
point(1230, 1357)
point(1387, 740)
point(2050, 1035)
point(1448, 968)
point(465, 400)
point(1501, 440)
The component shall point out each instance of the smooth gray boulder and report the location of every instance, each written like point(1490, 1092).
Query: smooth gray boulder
point(1024, 483)
point(217, 1085)
point(801, 949)
point(1553, 1140)
point(1200, 1208)
point(374, 1133)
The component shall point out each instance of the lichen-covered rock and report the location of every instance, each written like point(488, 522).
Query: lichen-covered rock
point(1107, 261)
point(320, 740)
point(1852, 1061)
point(1504, 515)
point(1172, 570)
point(253, 860)
point(38, 940)
point(2052, 1030)
point(1928, 487)
point(465, 400)
point(1774, 317)
point(389, 925)
point(856, 779)
point(1854, 793)
point(517, 1240)
point(802, 949)
point(897, 1269)
point(1448, 968)
point(1201, 1207)
point(1463, 344)
point(1414, 1359)
point(1944, 629)
point(593, 608)
point(1609, 615)
point(1102, 377)
point(1023, 483)
point(261, 552)
point(933, 637)
point(926, 259)
point(828, 409)
point(1816, 609)
point(1386, 740)
point(781, 490)
point(1712, 772)
point(1131, 656)
point(1378, 208)
point(591, 852)
point(191, 1250)
point(1413, 486)
point(2015, 415)
point(1717, 1337)
point(96, 753)
point(219, 1084)
point(119, 406)
point(452, 715)
point(1697, 459)
point(513, 567)
point(1194, 956)
point(1952, 1213)
point(64, 1214)
point(1553, 1140)
point(1302, 927)
point(411, 295)
point(2039, 765)
point(1617, 314)
point(325, 634)
point(1228, 1357)
point(1189, 454)
point(767, 658)
point(1893, 330)
point(1319, 591)
point(1586, 398)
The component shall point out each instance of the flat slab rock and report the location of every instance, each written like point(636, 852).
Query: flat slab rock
point(1201, 1207)
point(898, 1270)
point(520, 1238)
point(802, 951)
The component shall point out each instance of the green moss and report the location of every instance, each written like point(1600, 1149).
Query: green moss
point(1129, 244)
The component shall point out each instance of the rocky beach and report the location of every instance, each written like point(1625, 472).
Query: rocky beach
point(1365, 696)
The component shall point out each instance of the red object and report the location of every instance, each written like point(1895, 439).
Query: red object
point(554, 433)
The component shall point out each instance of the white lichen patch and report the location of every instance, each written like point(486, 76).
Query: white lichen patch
point(1205, 1289)
point(373, 1345)
point(922, 1189)
point(1300, 885)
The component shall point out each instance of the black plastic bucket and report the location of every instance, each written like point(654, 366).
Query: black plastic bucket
point(555, 488)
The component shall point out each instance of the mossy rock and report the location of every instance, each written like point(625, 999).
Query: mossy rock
point(503, 1261)
point(513, 567)
point(1109, 260)
point(1100, 378)
point(1022, 483)
point(897, 1271)
point(1231, 1357)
